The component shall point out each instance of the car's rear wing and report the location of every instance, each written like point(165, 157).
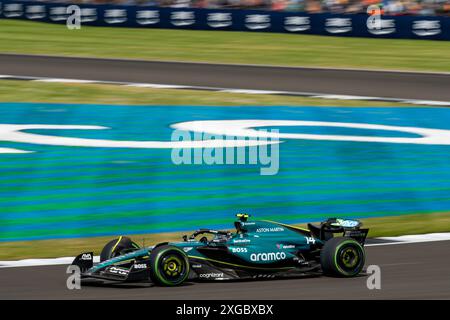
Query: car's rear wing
point(349, 228)
point(359, 235)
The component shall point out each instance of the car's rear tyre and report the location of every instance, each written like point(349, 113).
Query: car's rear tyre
point(342, 257)
point(169, 266)
point(115, 247)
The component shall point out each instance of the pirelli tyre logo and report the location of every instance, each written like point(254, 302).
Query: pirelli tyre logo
point(268, 256)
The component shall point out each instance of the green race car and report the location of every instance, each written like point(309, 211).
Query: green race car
point(257, 249)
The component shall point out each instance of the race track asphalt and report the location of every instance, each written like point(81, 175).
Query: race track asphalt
point(399, 85)
point(408, 271)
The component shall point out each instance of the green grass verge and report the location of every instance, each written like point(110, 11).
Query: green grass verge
point(26, 91)
point(386, 226)
point(408, 224)
point(226, 47)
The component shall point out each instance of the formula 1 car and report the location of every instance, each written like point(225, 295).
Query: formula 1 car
point(257, 249)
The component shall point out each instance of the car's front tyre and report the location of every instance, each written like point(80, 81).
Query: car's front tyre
point(169, 266)
point(116, 247)
point(342, 257)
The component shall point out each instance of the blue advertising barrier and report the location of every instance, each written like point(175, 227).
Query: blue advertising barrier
point(357, 25)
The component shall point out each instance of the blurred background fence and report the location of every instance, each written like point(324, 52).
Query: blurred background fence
point(411, 19)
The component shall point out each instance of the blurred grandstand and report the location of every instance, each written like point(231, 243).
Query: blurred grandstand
point(389, 7)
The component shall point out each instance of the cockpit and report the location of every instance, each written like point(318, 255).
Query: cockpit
point(218, 236)
point(209, 235)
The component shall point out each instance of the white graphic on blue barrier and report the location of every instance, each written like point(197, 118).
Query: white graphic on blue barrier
point(297, 24)
point(338, 25)
point(219, 20)
point(115, 16)
point(147, 17)
point(182, 18)
point(257, 21)
point(424, 28)
point(34, 12)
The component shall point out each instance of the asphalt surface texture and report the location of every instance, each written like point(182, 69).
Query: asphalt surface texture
point(400, 85)
point(408, 271)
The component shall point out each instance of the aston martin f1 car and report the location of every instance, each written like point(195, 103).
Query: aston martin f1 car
point(256, 249)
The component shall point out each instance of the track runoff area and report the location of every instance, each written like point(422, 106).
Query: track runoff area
point(62, 163)
point(379, 168)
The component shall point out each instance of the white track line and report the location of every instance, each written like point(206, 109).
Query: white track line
point(57, 80)
point(419, 238)
point(408, 239)
point(233, 90)
point(40, 262)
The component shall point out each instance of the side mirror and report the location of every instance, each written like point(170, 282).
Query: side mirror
point(185, 238)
